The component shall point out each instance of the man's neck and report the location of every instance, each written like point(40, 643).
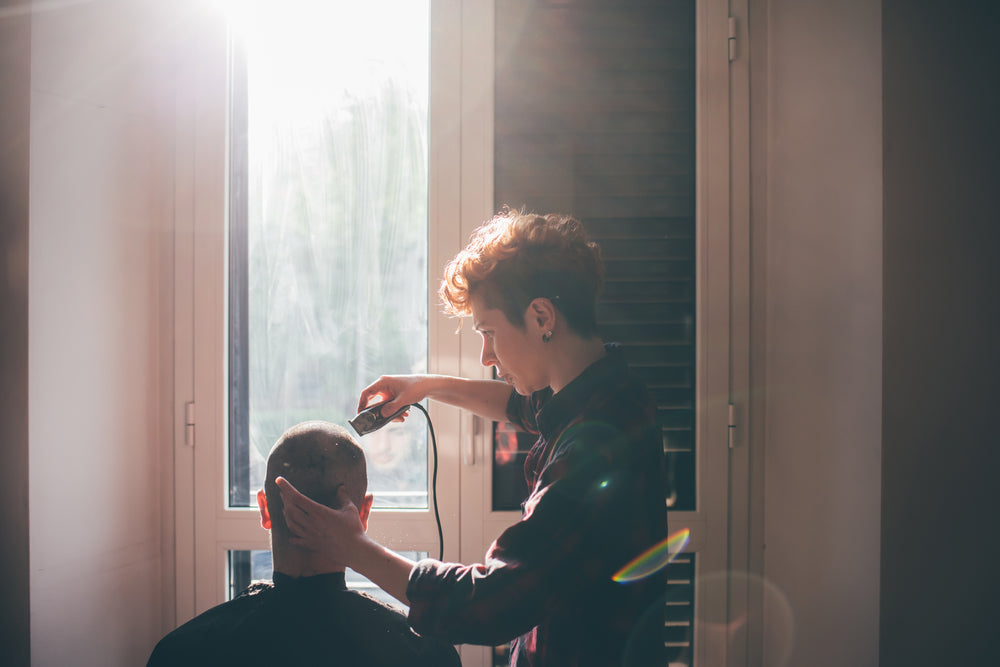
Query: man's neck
point(296, 563)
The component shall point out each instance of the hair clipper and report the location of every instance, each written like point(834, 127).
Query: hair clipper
point(370, 419)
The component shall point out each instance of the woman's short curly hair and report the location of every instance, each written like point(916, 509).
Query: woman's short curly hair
point(517, 257)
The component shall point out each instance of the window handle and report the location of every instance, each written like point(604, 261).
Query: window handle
point(189, 423)
point(470, 434)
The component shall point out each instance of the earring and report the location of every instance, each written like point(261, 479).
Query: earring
point(547, 336)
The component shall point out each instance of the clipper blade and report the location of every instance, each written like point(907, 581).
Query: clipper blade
point(369, 419)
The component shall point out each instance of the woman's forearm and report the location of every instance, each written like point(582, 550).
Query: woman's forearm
point(386, 568)
point(486, 398)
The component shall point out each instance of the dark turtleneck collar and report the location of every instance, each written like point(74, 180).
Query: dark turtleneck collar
point(327, 582)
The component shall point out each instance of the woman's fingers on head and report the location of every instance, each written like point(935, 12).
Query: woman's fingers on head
point(289, 494)
point(344, 501)
point(294, 513)
point(292, 497)
point(295, 520)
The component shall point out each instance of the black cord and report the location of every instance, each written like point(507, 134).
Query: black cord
point(434, 476)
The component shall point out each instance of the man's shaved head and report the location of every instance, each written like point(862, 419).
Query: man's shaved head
point(317, 457)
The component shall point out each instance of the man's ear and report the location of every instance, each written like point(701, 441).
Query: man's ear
point(365, 510)
point(265, 517)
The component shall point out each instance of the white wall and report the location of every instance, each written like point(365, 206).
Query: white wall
point(817, 225)
point(99, 331)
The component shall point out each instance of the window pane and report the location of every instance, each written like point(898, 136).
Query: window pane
point(328, 228)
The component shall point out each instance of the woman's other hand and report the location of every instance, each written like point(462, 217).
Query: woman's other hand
point(338, 538)
point(334, 534)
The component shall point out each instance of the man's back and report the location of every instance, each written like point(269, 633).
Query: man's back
point(308, 621)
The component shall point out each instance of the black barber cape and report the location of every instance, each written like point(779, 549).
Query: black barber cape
point(301, 621)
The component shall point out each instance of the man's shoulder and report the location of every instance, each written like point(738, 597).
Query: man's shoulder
point(211, 633)
point(360, 602)
point(386, 638)
point(350, 626)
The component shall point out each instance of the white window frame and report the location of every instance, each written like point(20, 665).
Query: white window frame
point(460, 196)
point(206, 529)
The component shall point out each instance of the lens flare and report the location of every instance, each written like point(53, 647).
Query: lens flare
point(654, 559)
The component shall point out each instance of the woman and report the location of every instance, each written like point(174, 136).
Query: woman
point(596, 473)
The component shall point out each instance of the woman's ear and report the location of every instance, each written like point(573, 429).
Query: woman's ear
point(543, 313)
point(265, 517)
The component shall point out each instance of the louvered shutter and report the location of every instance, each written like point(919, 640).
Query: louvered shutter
point(595, 116)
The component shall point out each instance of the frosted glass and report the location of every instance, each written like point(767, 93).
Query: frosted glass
point(336, 273)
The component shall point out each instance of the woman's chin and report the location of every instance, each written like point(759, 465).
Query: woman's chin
point(523, 390)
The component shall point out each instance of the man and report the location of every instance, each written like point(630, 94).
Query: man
point(307, 615)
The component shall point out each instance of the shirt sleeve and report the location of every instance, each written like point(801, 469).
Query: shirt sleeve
point(571, 535)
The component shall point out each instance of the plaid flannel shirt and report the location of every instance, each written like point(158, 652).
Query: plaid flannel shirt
point(597, 500)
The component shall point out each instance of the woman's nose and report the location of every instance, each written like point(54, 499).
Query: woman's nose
point(487, 358)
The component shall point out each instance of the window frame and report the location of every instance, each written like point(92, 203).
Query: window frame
point(460, 195)
point(206, 528)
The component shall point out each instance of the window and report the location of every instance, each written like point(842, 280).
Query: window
point(482, 145)
point(327, 230)
point(312, 177)
point(328, 237)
